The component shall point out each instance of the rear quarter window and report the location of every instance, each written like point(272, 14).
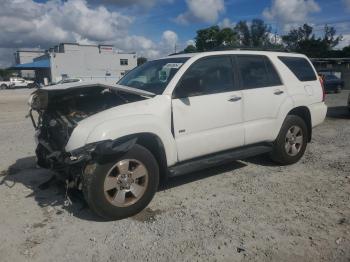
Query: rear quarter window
point(300, 67)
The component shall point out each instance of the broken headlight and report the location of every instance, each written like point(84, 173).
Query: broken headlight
point(38, 100)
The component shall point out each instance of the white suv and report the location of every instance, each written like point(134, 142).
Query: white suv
point(172, 116)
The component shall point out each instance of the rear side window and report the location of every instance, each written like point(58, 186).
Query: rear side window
point(257, 71)
point(300, 67)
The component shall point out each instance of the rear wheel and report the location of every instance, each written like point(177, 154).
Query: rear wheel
point(291, 142)
point(123, 187)
point(3, 86)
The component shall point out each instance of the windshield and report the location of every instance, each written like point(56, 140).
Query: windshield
point(153, 76)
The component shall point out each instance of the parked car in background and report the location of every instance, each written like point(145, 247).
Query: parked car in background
point(332, 83)
point(172, 116)
point(5, 84)
point(18, 82)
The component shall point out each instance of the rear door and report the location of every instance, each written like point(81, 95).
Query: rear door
point(207, 109)
point(263, 94)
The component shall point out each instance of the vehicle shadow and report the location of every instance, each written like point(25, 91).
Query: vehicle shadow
point(339, 112)
point(48, 191)
point(199, 175)
point(261, 160)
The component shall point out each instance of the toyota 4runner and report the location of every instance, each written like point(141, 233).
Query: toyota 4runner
point(172, 116)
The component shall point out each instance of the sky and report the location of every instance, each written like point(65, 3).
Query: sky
point(152, 28)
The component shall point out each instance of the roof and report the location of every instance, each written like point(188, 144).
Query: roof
point(30, 51)
point(39, 64)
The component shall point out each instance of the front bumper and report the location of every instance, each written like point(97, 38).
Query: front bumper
point(100, 152)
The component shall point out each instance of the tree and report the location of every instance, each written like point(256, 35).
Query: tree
point(303, 40)
point(297, 36)
point(190, 49)
point(207, 39)
point(329, 37)
point(141, 60)
point(213, 37)
point(257, 34)
point(243, 33)
point(227, 37)
point(6, 73)
point(346, 51)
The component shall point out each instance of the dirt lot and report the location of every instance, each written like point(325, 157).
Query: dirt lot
point(248, 210)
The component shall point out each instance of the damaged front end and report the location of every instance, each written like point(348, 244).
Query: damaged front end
point(56, 113)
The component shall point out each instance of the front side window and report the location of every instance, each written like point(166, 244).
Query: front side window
point(207, 76)
point(257, 71)
point(153, 76)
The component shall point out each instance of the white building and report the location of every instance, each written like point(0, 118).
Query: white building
point(27, 56)
point(87, 62)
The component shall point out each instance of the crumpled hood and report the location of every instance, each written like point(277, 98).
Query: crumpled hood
point(87, 84)
point(133, 110)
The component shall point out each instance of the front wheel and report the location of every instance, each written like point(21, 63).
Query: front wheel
point(124, 187)
point(291, 142)
point(3, 86)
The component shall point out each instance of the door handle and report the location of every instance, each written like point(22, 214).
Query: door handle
point(278, 92)
point(235, 99)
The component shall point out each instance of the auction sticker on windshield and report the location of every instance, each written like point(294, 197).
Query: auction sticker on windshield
point(173, 65)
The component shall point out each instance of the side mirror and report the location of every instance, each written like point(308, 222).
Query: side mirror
point(188, 87)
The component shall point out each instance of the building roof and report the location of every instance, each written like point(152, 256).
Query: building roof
point(39, 64)
point(341, 59)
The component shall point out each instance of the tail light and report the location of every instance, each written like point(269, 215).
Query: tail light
point(323, 90)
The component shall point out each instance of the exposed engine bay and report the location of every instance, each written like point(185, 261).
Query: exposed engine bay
point(59, 111)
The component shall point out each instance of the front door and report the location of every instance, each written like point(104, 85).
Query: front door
point(207, 109)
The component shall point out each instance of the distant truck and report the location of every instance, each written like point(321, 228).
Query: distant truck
point(5, 84)
point(17, 82)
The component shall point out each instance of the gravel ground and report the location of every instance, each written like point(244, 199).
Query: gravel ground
point(248, 210)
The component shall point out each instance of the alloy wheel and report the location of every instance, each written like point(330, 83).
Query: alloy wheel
point(126, 183)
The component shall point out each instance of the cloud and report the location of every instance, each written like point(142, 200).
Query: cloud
point(347, 4)
point(227, 23)
point(291, 12)
point(169, 38)
point(130, 3)
point(190, 42)
point(54, 21)
point(201, 11)
point(6, 57)
point(47, 24)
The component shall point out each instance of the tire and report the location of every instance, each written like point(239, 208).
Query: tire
point(3, 86)
point(288, 148)
point(106, 203)
point(337, 90)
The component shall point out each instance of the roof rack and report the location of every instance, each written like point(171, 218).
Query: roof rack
point(271, 49)
point(228, 48)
